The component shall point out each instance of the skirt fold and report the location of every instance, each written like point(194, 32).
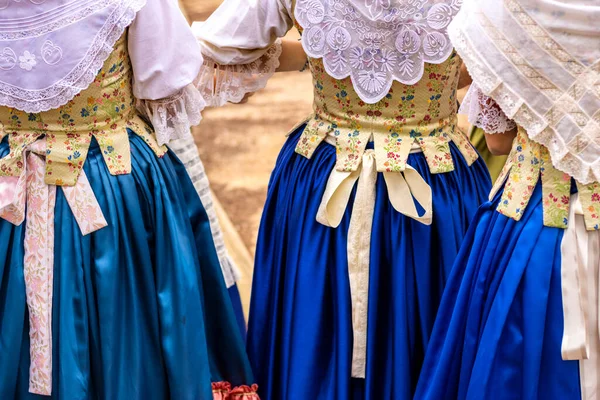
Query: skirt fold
point(140, 307)
point(300, 335)
point(499, 328)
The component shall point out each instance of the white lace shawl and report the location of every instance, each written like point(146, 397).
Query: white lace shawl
point(377, 41)
point(42, 65)
point(540, 61)
point(373, 41)
point(50, 51)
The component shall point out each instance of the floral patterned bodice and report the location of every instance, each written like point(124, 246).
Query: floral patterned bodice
point(423, 115)
point(528, 164)
point(103, 111)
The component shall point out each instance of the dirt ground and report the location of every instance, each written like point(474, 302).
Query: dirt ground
point(239, 143)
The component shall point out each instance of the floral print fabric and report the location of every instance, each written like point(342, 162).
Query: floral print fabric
point(410, 116)
point(104, 111)
point(529, 163)
point(376, 42)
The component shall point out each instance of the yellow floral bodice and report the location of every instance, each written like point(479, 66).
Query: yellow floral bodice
point(528, 164)
point(104, 111)
point(423, 115)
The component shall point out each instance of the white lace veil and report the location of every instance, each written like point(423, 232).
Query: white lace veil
point(376, 41)
point(51, 50)
point(540, 61)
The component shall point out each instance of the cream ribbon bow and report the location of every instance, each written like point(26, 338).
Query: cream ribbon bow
point(402, 187)
point(580, 274)
point(28, 198)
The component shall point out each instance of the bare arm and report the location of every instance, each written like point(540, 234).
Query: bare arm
point(293, 57)
point(500, 143)
point(465, 79)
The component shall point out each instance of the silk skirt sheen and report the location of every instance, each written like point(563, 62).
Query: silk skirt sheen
point(140, 307)
point(499, 329)
point(300, 331)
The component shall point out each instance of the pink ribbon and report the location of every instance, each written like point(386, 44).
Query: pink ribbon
point(28, 198)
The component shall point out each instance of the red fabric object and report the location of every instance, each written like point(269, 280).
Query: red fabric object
point(223, 391)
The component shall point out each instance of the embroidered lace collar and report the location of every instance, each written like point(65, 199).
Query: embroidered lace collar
point(51, 50)
point(376, 41)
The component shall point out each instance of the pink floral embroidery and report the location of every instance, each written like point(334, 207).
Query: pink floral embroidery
point(29, 196)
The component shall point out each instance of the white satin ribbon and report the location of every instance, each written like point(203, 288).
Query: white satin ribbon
point(402, 187)
point(580, 268)
point(28, 198)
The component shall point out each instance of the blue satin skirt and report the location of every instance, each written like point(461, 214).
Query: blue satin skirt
point(140, 308)
point(300, 330)
point(499, 328)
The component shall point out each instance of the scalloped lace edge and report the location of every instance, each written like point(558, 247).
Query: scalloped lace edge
point(173, 117)
point(220, 84)
point(483, 112)
point(85, 72)
point(504, 95)
point(394, 77)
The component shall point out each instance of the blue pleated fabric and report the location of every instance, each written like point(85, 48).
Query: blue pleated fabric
point(300, 330)
point(140, 308)
point(499, 328)
point(238, 309)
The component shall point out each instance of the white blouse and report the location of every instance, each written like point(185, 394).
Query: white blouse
point(241, 47)
point(373, 43)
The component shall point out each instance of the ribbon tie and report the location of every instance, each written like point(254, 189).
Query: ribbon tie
point(580, 251)
point(28, 198)
point(402, 188)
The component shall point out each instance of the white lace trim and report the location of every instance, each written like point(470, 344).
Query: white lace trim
point(521, 113)
point(173, 117)
point(377, 41)
point(49, 20)
point(80, 77)
point(187, 152)
point(484, 112)
point(220, 84)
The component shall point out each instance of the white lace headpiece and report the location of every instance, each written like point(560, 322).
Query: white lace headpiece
point(51, 50)
point(540, 61)
point(376, 41)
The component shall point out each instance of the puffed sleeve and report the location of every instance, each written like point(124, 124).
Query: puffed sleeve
point(166, 61)
point(485, 113)
point(241, 47)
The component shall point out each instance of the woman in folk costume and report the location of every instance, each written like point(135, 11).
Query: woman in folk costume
point(110, 286)
point(519, 319)
point(349, 268)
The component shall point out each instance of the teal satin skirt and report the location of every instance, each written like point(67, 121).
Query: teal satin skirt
point(140, 308)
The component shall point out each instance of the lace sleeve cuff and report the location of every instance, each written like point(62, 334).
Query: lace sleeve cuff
point(484, 112)
point(173, 116)
point(220, 84)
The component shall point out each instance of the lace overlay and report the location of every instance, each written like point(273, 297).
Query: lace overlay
point(219, 84)
point(485, 113)
point(43, 48)
point(563, 114)
point(376, 41)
